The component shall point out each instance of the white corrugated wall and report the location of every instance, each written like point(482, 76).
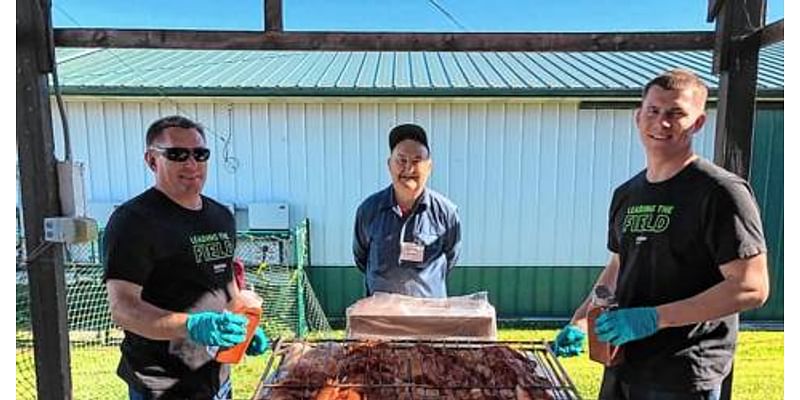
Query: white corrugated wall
point(533, 180)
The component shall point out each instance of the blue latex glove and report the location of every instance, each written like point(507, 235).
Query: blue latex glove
point(569, 341)
point(259, 344)
point(625, 325)
point(213, 328)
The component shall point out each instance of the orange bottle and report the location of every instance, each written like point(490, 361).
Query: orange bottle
point(249, 305)
point(602, 352)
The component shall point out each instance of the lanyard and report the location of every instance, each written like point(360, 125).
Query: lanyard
point(402, 239)
point(403, 230)
point(403, 244)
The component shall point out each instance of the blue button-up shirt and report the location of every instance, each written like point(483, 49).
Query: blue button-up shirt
point(433, 223)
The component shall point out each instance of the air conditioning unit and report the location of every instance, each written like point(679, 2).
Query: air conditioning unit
point(268, 216)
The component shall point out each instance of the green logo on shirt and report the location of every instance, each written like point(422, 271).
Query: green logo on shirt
point(211, 247)
point(647, 218)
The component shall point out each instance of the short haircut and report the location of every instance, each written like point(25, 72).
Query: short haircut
point(679, 79)
point(173, 121)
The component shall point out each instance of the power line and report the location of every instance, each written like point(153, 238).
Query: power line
point(231, 163)
point(447, 14)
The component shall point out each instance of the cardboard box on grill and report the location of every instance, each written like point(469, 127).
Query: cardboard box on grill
point(395, 316)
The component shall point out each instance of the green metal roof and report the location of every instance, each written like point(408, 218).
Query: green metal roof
point(354, 73)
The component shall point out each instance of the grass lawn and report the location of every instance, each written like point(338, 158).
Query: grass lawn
point(758, 364)
point(758, 369)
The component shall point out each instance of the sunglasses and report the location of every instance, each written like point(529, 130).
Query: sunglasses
point(181, 154)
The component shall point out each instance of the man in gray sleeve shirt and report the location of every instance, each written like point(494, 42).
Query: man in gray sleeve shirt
point(407, 237)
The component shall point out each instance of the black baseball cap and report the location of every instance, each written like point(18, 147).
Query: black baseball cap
point(408, 131)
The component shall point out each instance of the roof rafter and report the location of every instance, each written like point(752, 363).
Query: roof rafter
point(384, 41)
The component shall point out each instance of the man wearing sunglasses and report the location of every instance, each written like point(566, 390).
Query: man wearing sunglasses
point(169, 274)
point(407, 237)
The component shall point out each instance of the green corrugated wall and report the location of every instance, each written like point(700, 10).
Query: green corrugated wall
point(766, 177)
point(554, 292)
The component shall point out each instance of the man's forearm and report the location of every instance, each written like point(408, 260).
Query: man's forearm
point(129, 311)
point(723, 299)
point(745, 286)
point(579, 317)
point(607, 277)
point(149, 321)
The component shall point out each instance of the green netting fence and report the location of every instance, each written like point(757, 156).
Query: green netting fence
point(275, 263)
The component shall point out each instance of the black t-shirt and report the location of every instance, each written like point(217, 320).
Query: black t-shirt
point(183, 260)
point(671, 238)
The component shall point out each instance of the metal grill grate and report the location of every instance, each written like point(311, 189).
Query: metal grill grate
point(351, 369)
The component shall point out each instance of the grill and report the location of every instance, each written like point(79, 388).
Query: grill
point(406, 369)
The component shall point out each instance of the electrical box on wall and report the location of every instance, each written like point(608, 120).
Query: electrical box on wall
point(70, 230)
point(71, 188)
point(268, 216)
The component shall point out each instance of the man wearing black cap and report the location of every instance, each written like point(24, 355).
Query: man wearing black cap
point(407, 237)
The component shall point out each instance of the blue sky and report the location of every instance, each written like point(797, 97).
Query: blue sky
point(398, 15)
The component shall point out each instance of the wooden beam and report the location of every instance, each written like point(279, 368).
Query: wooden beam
point(722, 39)
point(274, 15)
point(43, 31)
point(737, 87)
point(377, 41)
point(736, 19)
point(772, 33)
point(39, 189)
point(713, 9)
point(765, 36)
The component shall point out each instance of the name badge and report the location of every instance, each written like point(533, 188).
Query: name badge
point(411, 252)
